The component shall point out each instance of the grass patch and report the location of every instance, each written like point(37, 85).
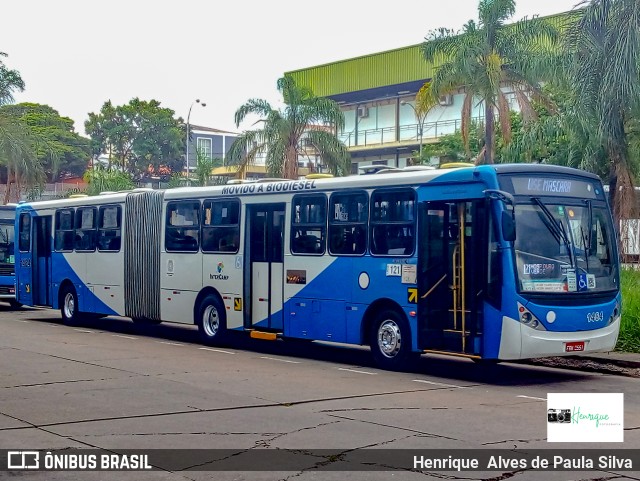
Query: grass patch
point(629, 339)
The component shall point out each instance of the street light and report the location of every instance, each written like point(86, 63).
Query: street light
point(196, 101)
point(420, 119)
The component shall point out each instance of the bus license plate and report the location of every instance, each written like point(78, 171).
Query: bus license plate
point(574, 346)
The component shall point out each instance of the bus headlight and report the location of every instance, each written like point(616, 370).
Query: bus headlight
point(528, 319)
point(614, 315)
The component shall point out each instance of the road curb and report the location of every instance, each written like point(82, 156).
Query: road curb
point(616, 361)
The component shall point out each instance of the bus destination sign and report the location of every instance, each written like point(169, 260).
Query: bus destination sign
point(562, 187)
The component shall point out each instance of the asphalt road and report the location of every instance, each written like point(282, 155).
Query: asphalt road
point(110, 385)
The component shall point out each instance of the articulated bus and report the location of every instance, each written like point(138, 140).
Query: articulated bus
point(7, 256)
point(496, 262)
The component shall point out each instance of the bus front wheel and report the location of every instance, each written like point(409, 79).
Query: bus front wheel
point(69, 306)
point(390, 340)
point(212, 323)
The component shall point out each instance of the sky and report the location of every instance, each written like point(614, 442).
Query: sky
point(76, 54)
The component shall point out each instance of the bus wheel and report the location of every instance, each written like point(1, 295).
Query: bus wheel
point(211, 320)
point(390, 341)
point(69, 306)
point(15, 304)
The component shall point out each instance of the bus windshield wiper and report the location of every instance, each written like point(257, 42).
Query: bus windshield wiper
point(556, 228)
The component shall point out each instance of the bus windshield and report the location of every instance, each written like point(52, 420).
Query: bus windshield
point(6, 243)
point(563, 248)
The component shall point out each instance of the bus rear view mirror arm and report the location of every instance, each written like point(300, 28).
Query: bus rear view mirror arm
point(508, 220)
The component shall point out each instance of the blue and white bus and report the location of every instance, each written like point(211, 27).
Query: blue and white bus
point(7, 256)
point(492, 262)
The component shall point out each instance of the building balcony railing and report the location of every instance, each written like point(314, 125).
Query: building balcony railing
point(405, 133)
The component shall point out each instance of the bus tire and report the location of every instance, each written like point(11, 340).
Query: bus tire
point(390, 340)
point(69, 306)
point(212, 322)
point(15, 304)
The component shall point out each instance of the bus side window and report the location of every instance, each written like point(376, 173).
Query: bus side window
point(64, 231)
point(109, 222)
point(349, 213)
point(392, 223)
point(24, 241)
point(309, 224)
point(221, 225)
point(85, 227)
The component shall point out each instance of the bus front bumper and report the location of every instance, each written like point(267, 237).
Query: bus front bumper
point(522, 342)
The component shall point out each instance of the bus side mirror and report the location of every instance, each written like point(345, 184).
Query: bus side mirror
point(508, 226)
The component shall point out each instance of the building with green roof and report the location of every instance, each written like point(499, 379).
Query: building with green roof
point(376, 92)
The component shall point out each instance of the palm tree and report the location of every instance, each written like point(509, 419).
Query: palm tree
point(205, 164)
point(484, 57)
point(10, 80)
point(305, 121)
point(604, 69)
point(17, 145)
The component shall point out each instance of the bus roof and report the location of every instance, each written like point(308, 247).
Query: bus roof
point(392, 178)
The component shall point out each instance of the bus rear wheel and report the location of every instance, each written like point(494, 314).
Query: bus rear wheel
point(69, 306)
point(390, 340)
point(211, 319)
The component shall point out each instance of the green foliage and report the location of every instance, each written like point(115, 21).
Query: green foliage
point(286, 134)
point(204, 167)
point(10, 81)
point(18, 145)
point(483, 57)
point(59, 149)
point(629, 339)
point(451, 148)
point(603, 70)
point(139, 137)
point(102, 179)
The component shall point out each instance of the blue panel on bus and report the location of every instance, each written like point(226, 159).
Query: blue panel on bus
point(88, 301)
point(573, 318)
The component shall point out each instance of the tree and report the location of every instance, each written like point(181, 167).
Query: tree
point(10, 81)
point(139, 137)
point(17, 152)
point(603, 47)
point(204, 167)
point(306, 121)
point(59, 149)
point(102, 179)
point(484, 57)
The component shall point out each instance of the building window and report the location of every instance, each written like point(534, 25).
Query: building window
point(204, 148)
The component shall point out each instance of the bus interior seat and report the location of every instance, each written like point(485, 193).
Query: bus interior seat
point(307, 244)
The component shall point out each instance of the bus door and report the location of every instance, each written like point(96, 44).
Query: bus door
point(265, 241)
point(41, 261)
point(451, 262)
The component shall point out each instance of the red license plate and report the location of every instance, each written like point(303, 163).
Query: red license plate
point(574, 346)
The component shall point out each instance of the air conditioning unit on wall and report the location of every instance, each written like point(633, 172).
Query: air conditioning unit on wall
point(446, 100)
point(363, 112)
